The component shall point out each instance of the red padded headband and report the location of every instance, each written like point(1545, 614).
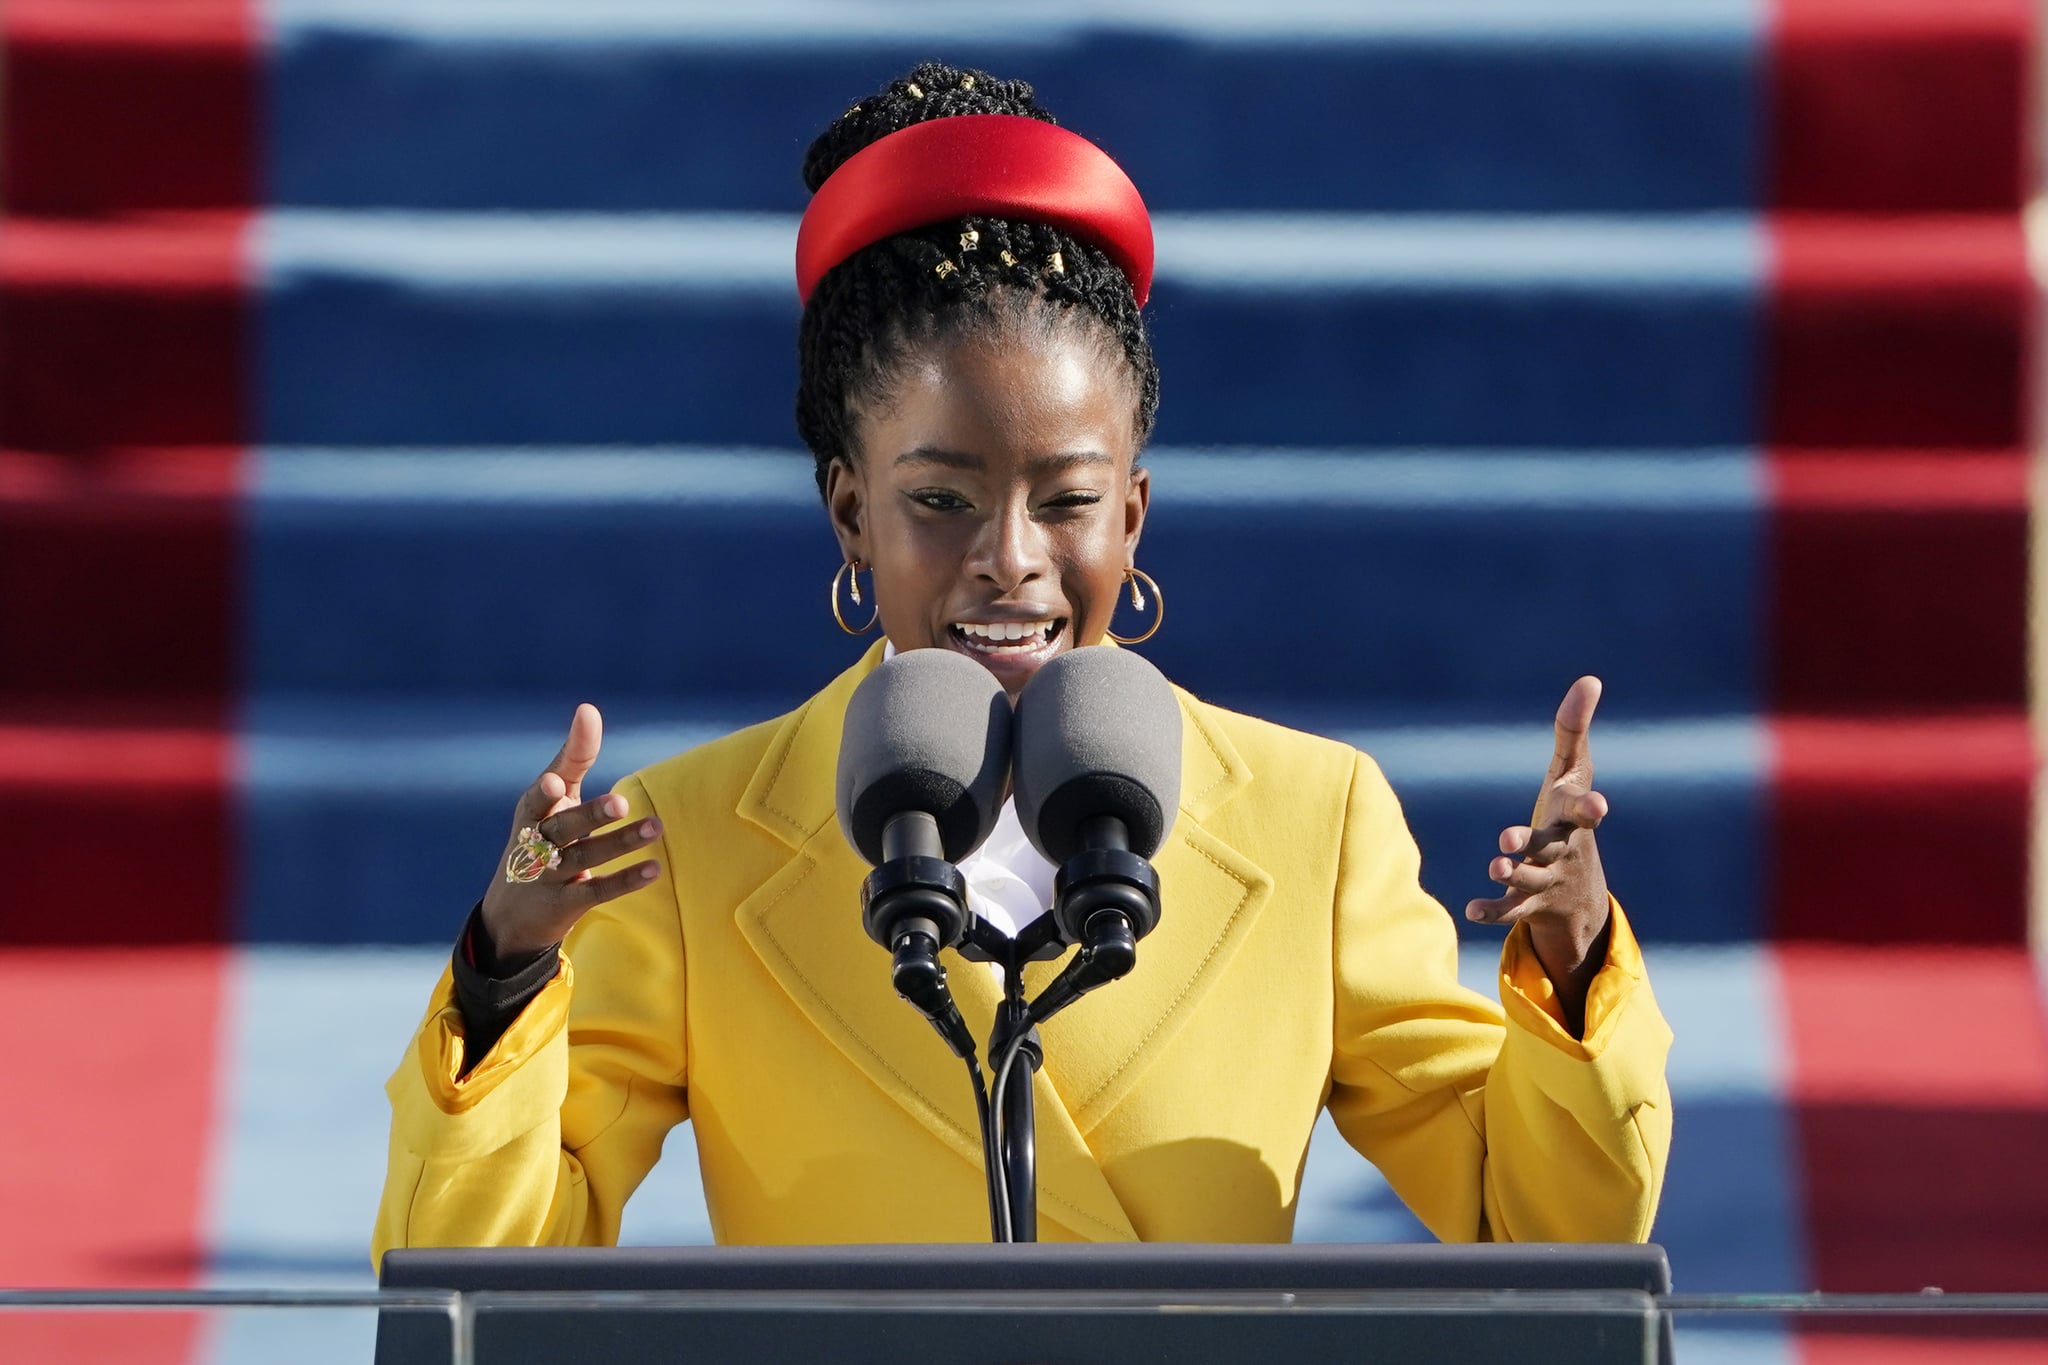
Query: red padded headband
point(983, 165)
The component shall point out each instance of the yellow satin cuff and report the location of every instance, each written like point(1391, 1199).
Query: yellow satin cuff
point(443, 1048)
point(1529, 997)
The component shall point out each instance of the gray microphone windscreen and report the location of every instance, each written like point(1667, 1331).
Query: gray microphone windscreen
point(927, 731)
point(1098, 733)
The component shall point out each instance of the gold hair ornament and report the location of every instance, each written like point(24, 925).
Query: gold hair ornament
point(851, 568)
point(1134, 577)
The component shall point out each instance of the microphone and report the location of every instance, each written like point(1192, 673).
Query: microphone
point(922, 759)
point(1096, 778)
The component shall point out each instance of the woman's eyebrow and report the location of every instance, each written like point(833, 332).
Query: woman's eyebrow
point(1038, 464)
point(938, 455)
point(1065, 460)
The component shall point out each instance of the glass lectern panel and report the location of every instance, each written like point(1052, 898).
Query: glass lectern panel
point(1073, 1328)
point(199, 1327)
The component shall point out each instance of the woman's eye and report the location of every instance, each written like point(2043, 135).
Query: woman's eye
point(1077, 498)
point(938, 499)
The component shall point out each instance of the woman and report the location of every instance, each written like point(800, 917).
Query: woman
point(976, 385)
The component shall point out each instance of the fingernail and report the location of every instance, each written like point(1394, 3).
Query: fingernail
point(614, 806)
point(647, 873)
point(647, 829)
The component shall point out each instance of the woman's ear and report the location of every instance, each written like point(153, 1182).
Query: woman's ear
point(846, 504)
point(1137, 498)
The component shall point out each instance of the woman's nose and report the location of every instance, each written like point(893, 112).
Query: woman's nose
point(1011, 550)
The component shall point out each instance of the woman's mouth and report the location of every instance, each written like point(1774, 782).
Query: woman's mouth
point(1007, 639)
point(1012, 650)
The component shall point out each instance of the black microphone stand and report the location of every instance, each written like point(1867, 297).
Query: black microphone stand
point(1010, 1100)
point(1105, 899)
point(1009, 1123)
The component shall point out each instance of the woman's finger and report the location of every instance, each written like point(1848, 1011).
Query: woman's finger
point(1571, 755)
point(599, 849)
point(566, 826)
point(592, 891)
point(1548, 844)
point(1533, 878)
point(1585, 810)
point(562, 780)
point(1573, 749)
point(542, 797)
point(1501, 910)
point(579, 750)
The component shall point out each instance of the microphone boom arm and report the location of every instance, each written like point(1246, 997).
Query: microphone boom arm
point(1105, 898)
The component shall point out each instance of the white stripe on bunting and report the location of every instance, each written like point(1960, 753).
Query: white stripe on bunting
point(756, 252)
point(1697, 480)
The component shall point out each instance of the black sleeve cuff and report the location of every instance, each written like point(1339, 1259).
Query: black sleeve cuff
point(492, 991)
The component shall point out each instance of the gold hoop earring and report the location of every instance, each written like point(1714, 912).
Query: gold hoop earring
point(851, 568)
point(1134, 577)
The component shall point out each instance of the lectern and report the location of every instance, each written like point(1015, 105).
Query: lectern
point(1051, 1304)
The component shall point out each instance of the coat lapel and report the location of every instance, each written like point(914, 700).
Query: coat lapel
point(1210, 894)
point(804, 924)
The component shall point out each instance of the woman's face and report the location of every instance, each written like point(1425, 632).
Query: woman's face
point(994, 496)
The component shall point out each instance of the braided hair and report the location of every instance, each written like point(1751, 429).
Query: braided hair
point(971, 275)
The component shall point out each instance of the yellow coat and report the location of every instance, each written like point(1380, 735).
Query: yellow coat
point(1298, 964)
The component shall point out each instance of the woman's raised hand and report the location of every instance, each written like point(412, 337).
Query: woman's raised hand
point(525, 917)
point(1551, 866)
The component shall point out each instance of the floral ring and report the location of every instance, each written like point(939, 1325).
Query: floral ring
point(532, 855)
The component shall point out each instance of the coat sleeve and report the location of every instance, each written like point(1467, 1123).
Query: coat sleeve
point(542, 1143)
point(1490, 1123)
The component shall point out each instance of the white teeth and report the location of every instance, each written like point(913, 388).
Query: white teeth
point(1003, 630)
point(1006, 635)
